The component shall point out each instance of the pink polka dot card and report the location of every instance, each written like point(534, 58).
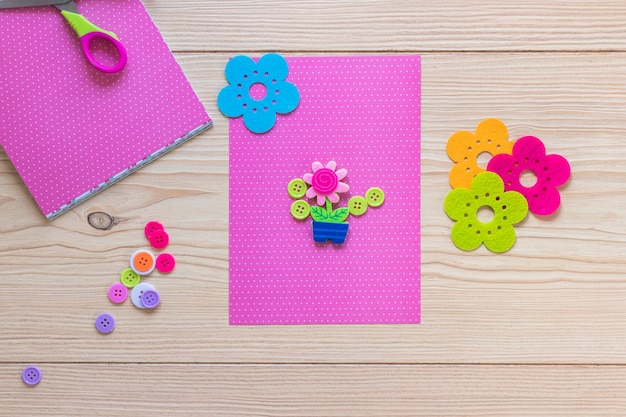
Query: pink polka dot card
point(325, 204)
point(71, 130)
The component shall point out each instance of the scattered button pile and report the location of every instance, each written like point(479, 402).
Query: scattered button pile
point(142, 263)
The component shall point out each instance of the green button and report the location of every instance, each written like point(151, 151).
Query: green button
point(357, 205)
point(375, 197)
point(296, 188)
point(300, 209)
point(129, 278)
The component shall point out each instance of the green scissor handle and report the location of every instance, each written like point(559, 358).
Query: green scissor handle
point(87, 32)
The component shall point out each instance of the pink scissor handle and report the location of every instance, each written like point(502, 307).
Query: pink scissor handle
point(86, 40)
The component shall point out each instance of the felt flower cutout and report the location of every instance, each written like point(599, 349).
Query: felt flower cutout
point(529, 155)
point(258, 91)
point(486, 193)
point(464, 147)
point(326, 182)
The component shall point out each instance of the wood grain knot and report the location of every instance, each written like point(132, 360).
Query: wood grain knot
point(101, 220)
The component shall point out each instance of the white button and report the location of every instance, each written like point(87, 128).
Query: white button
point(142, 262)
point(135, 294)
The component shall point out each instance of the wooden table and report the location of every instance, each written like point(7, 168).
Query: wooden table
point(539, 330)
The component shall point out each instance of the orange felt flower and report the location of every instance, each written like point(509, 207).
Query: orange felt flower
point(464, 147)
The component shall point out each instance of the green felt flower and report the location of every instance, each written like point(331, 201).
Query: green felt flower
point(486, 190)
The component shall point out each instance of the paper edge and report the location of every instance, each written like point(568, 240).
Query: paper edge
point(123, 174)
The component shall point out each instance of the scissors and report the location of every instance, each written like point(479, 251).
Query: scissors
point(87, 32)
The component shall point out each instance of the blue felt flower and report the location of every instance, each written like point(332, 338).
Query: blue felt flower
point(258, 91)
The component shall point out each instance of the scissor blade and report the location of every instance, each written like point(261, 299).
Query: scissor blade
point(11, 4)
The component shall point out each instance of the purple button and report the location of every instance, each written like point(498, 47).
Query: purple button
point(31, 375)
point(137, 292)
point(150, 299)
point(105, 323)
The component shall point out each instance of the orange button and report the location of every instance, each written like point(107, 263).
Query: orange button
point(142, 262)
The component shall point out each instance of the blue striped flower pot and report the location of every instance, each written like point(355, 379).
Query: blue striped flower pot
point(336, 232)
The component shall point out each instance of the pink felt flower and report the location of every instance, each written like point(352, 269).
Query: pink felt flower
point(325, 182)
point(529, 155)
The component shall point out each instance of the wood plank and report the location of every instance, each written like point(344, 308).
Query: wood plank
point(539, 330)
point(342, 391)
point(391, 25)
point(557, 297)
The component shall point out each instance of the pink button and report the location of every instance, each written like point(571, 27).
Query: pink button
point(118, 293)
point(165, 262)
point(159, 239)
point(152, 227)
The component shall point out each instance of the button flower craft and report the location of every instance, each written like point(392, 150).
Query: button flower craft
point(142, 263)
point(258, 91)
point(323, 185)
point(499, 189)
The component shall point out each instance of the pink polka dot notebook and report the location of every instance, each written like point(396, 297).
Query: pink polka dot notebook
point(71, 130)
point(363, 112)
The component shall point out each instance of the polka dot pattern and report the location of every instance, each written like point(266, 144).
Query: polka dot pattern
point(363, 113)
point(71, 130)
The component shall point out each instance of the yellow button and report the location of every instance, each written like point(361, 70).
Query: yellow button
point(375, 197)
point(357, 205)
point(300, 209)
point(130, 278)
point(296, 188)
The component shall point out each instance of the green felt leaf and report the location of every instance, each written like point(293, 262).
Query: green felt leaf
point(319, 214)
point(339, 215)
